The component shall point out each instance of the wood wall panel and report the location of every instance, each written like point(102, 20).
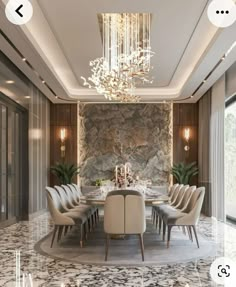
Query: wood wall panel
point(63, 116)
point(185, 116)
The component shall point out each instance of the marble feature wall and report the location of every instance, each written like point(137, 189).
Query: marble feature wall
point(111, 134)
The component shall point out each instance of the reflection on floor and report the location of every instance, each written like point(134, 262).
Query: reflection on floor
point(49, 272)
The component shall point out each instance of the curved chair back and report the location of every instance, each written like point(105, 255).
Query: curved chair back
point(135, 221)
point(193, 199)
point(74, 193)
point(172, 189)
point(114, 216)
point(176, 192)
point(64, 198)
point(180, 195)
point(186, 197)
point(124, 212)
point(69, 194)
point(194, 206)
point(78, 189)
point(54, 205)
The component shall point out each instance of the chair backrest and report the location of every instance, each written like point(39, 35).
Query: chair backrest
point(180, 195)
point(124, 212)
point(75, 195)
point(194, 208)
point(69, 194)
point(193, 199)
point(172, 189)
point(78, 189)
point(176, 192)
point(183, 202)
point(54, 205)
point(64, 198)
point(114, 215)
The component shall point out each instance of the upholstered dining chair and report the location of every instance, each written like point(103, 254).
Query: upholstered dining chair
point(77, 194)
point(181, 206)
point(154, 210)
point(187, 217)
point(176, 195)
point(124, 213)
point(63, 219)
point(68, 207)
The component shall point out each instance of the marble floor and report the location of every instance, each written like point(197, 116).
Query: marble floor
point(49, 272)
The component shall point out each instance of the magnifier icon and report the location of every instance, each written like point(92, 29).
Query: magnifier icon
point(223, 271)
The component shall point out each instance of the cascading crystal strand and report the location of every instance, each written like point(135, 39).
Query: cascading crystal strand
point(126, 60)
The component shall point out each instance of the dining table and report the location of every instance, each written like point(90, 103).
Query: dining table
point(152, 197)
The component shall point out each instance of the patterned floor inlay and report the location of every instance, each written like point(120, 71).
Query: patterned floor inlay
point(47, 272)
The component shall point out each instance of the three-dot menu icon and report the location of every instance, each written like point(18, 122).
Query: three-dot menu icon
point(222, 13)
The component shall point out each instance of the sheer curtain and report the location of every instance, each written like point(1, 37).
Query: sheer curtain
point(217, 148)
point(204, 150)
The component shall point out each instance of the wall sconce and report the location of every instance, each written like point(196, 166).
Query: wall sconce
point(187, 137)
point(63, 138)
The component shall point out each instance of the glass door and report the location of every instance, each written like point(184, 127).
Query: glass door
point(10, 185)
point(230, 160)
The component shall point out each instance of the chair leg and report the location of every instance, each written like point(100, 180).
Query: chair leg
point(153, 216)
point(168, 236)
point(157, 218)
point(195, 233)
point(107, 246)
point(97, 214)
point(190, 233)
point(66, 230)
point(164, 231)
point(60, 231)
point(95, 217)
point(183, 228)
point(81, 234)
point(142, 245)
point(160, 223)
point(86, 227)
point(54, 234)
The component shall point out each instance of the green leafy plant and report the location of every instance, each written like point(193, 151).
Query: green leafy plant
point(65, 172)
point(184, 172)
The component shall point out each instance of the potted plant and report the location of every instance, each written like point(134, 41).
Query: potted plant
point(184, 172)
point(65, 172)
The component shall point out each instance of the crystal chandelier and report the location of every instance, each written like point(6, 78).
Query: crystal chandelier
point(126, 60)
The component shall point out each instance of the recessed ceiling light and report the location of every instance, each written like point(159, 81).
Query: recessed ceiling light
point(223, 58)
point(27, 97)
point(10, 82)
point(191, 96)
point(204, 81)
point(24, 59)
point(43, 82)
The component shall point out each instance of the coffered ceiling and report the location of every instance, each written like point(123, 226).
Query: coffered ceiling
point(63, 36)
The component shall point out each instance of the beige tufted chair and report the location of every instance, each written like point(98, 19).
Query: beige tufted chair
point(124, 213)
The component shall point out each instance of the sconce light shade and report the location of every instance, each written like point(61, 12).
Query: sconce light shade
point(63, 134)
point(187, 134)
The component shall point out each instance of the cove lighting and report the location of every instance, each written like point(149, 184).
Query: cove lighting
point(230, 49)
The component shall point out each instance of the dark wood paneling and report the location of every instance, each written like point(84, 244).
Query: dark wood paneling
point(185, 116)
point(63, 116)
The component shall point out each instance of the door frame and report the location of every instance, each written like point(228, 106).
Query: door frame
point(23, 196)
